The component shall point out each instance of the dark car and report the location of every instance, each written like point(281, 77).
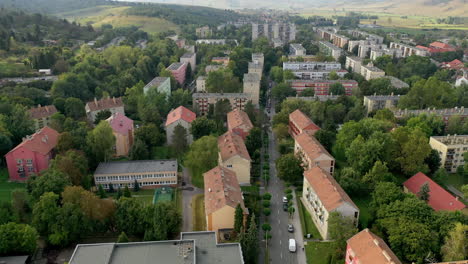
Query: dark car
point(285, 207)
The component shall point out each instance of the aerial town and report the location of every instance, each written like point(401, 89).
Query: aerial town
point(165, 132)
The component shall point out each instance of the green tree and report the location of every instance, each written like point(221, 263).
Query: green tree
point(455, 246)
point(74, 108)
point(123, 238)
point(465, 190)
point(18, 122)
point(17, 239)
point(249, 242)
point(202, 126)
point(238, 219)
point(385, 193)
point(341, 228)
point(428, 93)
point(289, 168)
point(222, 81)
point(433, 161)
point(150, 134)
point(337, 89)
point(139, 151)
point(126, 192)
point(326, 138)
point(282, 91)
point(101, 141)
point(136, 186)
point(102, 194)
point(201, 157)
point(179, 140)
point(73, 164)
point(102, 115)
point(51, 180)
point(253, 141)
point(423, 193)
point(164, 222)
point(333, 76)
point(378, 173)
point(276, 74)
point(412, 150)
point(308, 92)
point(129, 217)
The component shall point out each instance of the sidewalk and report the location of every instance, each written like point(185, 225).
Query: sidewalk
point(301, 256)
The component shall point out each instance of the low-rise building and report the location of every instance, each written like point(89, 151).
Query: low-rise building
point(251, 86)
point(32, 155)
point(239, 122)
point(41, 115)
point(190, 58)
point(222, 195)
point(211, 41)
point(461, 80)
point(371, 72)
point(211, 68)
point(446, 113)
point(178, 71)
point(317, 74)
point(297, 49)
point(203, 32)
point(113, 105)
point(322, 87)
point(312, 153)
point(191, 248)
point(367, 248)
point(179, 116)
point(201, 84)
point(396, 83)
point(376, 102)
point(354, 63)
point(300, 123)
point(322, 195)
point(408, 50)
point(451, 149)
point(395, 53)
point(330, 50)
point(311, 66)
point(148, 174)
point(162, 85)
point(122, 128)
point(453, 65)
point(258, 58)
point(202, 101)
point(233, 155)
point(439, 198)
point(221, 60)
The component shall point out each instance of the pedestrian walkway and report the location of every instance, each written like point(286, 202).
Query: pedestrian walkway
point(301, 256)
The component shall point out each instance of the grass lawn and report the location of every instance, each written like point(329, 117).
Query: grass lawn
point(308, 226)
point(318, 252)
point(8, 68)
point(364, 213)
point(198, 205)
point(197, 178)
point(144, 195)
point(178, 200)
point(6, 187)
point(163, 152)
point(457, 180)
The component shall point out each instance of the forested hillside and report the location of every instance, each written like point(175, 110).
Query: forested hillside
point(50, 6)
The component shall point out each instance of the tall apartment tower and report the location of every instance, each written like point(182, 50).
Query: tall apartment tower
point(285, 32)
point(252, 86)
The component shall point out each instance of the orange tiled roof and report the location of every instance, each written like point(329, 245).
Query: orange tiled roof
point(371, 249)
point(311, 147)
point(302, 121)
point(42, 111)
point(180, 112)
point(42, 141)
point(222, 189)
point(105, 103)
point(237, 118)
point(328, 190)
point(230, 145)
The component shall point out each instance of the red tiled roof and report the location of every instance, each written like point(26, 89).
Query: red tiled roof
point(440, 45)
point(222, 189)
point(180, 112)
point(327, 189)
point(311, 146)
point(302, 121)
point(43, 141)
point(439, 198)
point(42, 111)
point(230, 145)
point(454, 64)
point(120, 123)
point(105, 103)
point(371, 249)
point(237, 118)
point(424, 48)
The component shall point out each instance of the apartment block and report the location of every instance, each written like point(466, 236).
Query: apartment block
point(203, 32)
point(41, 115)
point(239, 123)
point(211, 41)
point(256, 68)
point(365, 50)
point(444, 113)
point(297, 49)
point(322, 87)
point(202, 101)
point(376, 102)
point(317, 74)
point(189, 58)
point(330, 50)
point(178, 71)
point(322, 195)
point(396, 83)
point(123, 131)
point(251, 86)
point(211, 68)
point(367, 36)
point(113, 105)
point(282, 31)
point(451, 149)
point(312, 65)
point(180, 116)
point(162, 85)
point(258, 58)
point(355, 63)
point(328, 35)
point(148, 174)
point(367, 248)
point(300, 123)
point(233, 155)
point(312, 153)
point(395, 53)
point(201, 84)
point(408, 50)
point(371, 72)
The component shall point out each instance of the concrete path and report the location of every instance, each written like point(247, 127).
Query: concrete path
point(188, 192)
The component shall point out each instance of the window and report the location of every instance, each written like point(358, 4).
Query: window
point(19, 161)
point(31, 169)
point(229, 166)
point(29, 161)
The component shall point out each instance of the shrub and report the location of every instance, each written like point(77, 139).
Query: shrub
point(266, 211)
point(266, 204)
point(267, 196)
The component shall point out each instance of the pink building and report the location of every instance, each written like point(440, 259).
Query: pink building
point(122, 128)
point(32, 155)
point(178, 70)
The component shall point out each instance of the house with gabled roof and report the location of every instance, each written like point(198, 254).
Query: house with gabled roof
point(41, 115)
point(122, 128)
point(233, 155)
point(239, 122)
point(113, 105)
point(179, 116)
point(300, 122)
point(312, 153)
point(367, 248)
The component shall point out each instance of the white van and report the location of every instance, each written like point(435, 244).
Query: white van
point(292, 245)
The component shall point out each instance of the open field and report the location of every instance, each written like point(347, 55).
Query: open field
point(116, 17)
point(364, 213)
point(6, 187)
point(319, 253)
point(308, 226)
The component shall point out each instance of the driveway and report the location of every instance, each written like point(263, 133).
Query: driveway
point(188, 192)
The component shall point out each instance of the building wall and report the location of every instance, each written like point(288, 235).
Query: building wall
point(253, 88)
point(240, 165)
point(373, 105)
point(201, 85)
point(203, 104)
point(369, 74)
point(165, 87)
point(92, 114)
point(354, 64)
point(170, 131)
point(147, 180)
point(221, 219)
point(316, 75)
point(179, 74)
point(41, 122)
point(451, 155)
point(123, 143)
point(30, 162)
point(324, 162)
point(192, 61)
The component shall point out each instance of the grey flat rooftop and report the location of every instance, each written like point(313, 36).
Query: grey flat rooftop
point(156, 82)
point(311, 63)
point(253, 65)
point(257, 55)
point(354, 58)
point(220, 95)
point(373, 68)
point(382, 97)
point(201, 77)
point(188, 55)
point(329, 45)
point(14, 260)
point(251, 77)
point(175, 66)
point(209, 252)
point(297, 46)
point(137, 166)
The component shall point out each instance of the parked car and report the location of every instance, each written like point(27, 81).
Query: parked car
point(292, 245)
point(285, 199)
point(285, 207)
point(290, 228)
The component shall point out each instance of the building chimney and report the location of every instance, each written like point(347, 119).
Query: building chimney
point(95, 101)
point(113, 99)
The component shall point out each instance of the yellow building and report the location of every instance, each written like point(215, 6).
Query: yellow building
point(222, 195)
point(451, 149)
point(233, 155)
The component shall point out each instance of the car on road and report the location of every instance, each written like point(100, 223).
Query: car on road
point(292, 245)
point(290, 228)
point(285, 199)
point(285, 207)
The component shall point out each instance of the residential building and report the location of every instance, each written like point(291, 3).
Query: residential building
point(453, 65)
point(322, 195)
point(283, 32)
point(352, 44)
point(221, 60)
point(178, 71)
point(300, 123)
point(312, 65)
point(367, 248)
point(320, 98)
point(317, 74)
point(149, 174)
point(368, 36)
point(408, 50)
point(251, 86)
point(211, 68)
point(222, 195)
point(191, 248)
point(395, 53)
point(355, 63)
point(201, 84)
point(179, 116)
point(322, 87)
point(45, 71)
point(162, 85)
point(436, 47)
point(258, 58)
point(444, 113)
point(312, 153)
point(233, 155)
point(113, 105)
point(41, 115)
point(377, 102)
point(203, 32)
point(330, 50)
point(189, 58)
point(239, 122)
point(371, 72)
point(256, 68)
point(397, 83)
point(364, 51)
point(439, 198)
point(297, 49)
point(463, 79)
point(328, 35)
point(202, 101)
point(451, 149)
point(305, 58)
point(211, 41)
point(122, 128)
point(32, 155)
